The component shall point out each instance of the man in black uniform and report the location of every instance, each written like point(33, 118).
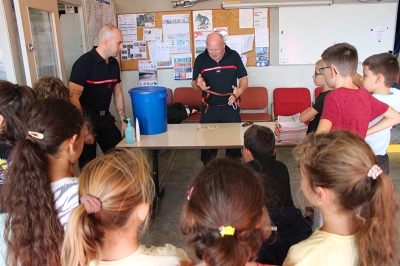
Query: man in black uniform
point(95, 78)
point(218, 68)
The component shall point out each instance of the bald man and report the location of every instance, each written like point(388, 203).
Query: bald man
point(219, 68)
point(95, 79)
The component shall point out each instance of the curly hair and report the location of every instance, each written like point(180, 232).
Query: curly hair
point(33, 233)
point(225, 193)
point(121, 181)
point(14, 99)
point(47, 87)
point(340, 162)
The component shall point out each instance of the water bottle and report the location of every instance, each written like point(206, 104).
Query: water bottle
point(129, 133)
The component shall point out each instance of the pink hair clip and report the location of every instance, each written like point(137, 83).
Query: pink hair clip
point(190, 192)
point(374, 171)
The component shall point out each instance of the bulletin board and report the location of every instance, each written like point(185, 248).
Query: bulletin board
point(133, 64)
point(221, 18)
point(305, 32)
point(230, 18)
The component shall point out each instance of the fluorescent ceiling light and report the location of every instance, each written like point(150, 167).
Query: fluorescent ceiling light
point(235, 5)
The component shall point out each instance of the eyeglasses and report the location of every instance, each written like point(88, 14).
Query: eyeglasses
point(317, 74)
point(321, 70)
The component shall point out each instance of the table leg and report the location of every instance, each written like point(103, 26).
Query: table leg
point(159, 192)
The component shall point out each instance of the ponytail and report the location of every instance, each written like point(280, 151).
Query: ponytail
point(81, 242)
point(33, 233)
point(378, 241)
point(228, 251)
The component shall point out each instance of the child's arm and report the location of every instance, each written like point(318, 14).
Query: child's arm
point(324, 126)
point(391, 118)
point(308, 114)
point(357, 80)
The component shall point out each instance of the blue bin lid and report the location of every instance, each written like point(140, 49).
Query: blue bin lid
point(148, 89)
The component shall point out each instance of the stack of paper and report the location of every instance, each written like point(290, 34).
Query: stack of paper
point(289, 128)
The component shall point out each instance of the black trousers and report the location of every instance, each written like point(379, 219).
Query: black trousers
point(107, 136)
point(219, 114)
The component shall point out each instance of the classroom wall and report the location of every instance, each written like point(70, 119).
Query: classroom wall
point(270, 77)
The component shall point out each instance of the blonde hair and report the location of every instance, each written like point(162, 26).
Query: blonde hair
point(318, 64)
point(121, 181)
point(340, 162)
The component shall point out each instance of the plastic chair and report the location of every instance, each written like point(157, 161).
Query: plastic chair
point(255, 101)
point(169, 98)
point(290, 101)
point(190, 97)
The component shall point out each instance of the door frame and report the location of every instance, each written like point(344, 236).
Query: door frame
point(25, 35)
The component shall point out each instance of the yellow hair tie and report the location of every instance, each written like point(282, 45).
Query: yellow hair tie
point(226, 230)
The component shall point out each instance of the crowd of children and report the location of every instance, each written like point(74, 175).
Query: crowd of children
point(235, 214)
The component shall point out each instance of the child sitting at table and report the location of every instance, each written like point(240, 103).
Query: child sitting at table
point(381, 71)
point(259, 151)
point(313, 114)
point(347, 106)
point(115, 191)
point(339, 173)
point(225, 219)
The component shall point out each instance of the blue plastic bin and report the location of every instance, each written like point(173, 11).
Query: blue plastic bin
point(149, 105)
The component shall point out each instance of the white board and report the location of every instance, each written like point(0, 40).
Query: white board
point(305, 32)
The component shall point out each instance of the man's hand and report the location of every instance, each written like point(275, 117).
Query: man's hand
point(201, 83)
point(123, 127)
point(237, 93)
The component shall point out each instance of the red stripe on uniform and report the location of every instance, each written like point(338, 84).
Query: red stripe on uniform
point(217, 68)
point(101, 81)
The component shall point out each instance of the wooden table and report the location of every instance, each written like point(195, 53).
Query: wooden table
point(194, 136)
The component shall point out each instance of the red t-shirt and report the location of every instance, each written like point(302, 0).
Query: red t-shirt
point(352, 109)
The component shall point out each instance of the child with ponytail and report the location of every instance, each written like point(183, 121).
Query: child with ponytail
point(339, 173)
point(14, 99)
point(39, 192)
point(224, 219)
point(116, 191)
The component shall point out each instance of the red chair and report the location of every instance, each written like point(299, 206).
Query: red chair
point(189, 97)
point(255, 98)
point(290, 101)
point(169, 98)
point(317, 91)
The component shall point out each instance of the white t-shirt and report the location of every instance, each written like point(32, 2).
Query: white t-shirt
point(66, 197)
point(143, 256)
point(380, 140)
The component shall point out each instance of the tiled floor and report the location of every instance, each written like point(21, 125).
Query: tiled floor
point(177, 167)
